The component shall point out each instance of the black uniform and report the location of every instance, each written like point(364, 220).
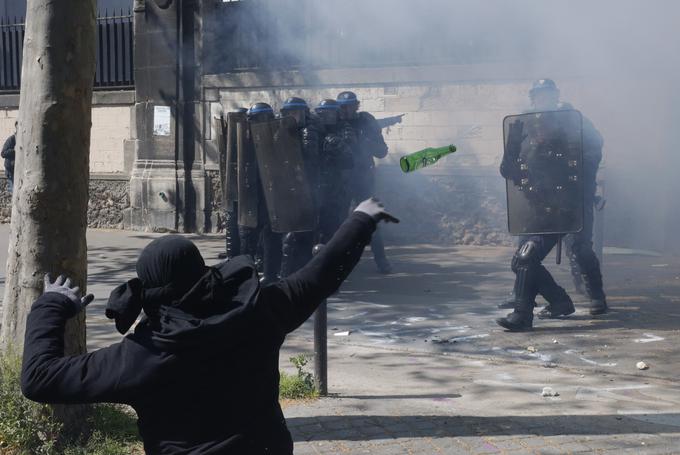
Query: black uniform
point(336, 162)
point(532, 277)
point(365, 135)
point(202, 368)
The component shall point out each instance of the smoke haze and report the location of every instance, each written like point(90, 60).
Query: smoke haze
point(618, 61)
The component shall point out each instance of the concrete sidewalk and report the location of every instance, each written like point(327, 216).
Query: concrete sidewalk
point(426, 370)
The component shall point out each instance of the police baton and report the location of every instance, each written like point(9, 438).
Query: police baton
point(321, 343)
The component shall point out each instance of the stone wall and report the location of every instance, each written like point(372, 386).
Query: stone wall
point(108, 199)
point(110, 145)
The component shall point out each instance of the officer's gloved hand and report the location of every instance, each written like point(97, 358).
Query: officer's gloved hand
point(376, 210)
point(349, 135)
point(516, 136)
point(62, 285)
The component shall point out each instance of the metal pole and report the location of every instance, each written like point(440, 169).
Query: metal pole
point(321, 345)
point(321, 349)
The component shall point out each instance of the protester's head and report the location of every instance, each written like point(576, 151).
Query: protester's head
point(170, 260)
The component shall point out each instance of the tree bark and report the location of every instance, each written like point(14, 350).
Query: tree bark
point(49, 206)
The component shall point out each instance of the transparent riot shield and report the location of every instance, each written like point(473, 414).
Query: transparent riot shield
point(544, 156)
point(282, 172)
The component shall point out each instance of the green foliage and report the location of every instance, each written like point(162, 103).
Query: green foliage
point(27, 427)
point(300, 385)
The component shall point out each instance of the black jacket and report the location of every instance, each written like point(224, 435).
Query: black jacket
point(203, 385)
point(370, 144)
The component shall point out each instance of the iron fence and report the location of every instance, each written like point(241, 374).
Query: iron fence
point(115, 46)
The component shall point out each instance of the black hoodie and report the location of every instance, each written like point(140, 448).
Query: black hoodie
point(200, 383)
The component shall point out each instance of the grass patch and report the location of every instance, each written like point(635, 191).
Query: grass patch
point(27, 427)
point(300, 385)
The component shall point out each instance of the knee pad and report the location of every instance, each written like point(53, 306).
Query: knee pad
point(526, 255)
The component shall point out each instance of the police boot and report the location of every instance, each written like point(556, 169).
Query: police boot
point(509, 303)
point(521, 319)
point(559, 302)
point(593, 284)
point(559, 308)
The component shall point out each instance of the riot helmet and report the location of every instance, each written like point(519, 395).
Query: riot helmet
point(328, 111)
point(297, 108)
point(349, 105)
point(544, 95)
point(260, 112)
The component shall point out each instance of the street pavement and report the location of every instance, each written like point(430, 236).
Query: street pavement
point(417, 364)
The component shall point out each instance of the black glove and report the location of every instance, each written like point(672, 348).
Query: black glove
point(376, 210)
point(62, 285)
point(349, 135)
point(516, 136)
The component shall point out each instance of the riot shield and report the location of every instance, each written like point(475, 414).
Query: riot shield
point(282, 172)
point(230, 164)
point(248, 188)
point(544, 151)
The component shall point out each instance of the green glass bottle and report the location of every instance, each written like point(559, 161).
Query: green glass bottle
point(425, 157)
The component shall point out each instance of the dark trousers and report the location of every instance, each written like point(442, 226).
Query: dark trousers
point(271, 245)
point(362, 188)
point(538, 279)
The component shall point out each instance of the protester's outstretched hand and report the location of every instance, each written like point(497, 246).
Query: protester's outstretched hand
point(376, 210)
point(62, 285)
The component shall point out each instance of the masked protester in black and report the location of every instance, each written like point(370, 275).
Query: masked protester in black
point(201, 368)
point(365, 134)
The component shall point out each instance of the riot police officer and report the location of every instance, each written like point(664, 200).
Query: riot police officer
point(334, 165)
point(251, 235)
point(531, 276)
point(365, 135)
point(297, 246)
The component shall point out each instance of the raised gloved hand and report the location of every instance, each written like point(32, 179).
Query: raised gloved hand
point(516, 136)
point(376, 210)
point(62, 285)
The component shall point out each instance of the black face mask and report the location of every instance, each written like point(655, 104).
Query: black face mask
point(349, 112)
point(329, 117)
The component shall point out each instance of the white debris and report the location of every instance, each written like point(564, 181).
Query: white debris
point(342, 334)
point(554, 341)
point(649, 338)
point(531, 349)
point(549, 392)
point(642, 366)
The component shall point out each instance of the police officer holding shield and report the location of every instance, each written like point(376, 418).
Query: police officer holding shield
point(550, 163)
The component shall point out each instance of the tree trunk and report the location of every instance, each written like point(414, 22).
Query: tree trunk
point(49, 206)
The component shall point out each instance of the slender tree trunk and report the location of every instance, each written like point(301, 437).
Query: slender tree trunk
point(49, 207)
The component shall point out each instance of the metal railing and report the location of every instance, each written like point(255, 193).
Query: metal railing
point(115, 47)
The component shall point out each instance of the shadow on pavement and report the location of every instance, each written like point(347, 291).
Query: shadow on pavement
point(368, 427)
